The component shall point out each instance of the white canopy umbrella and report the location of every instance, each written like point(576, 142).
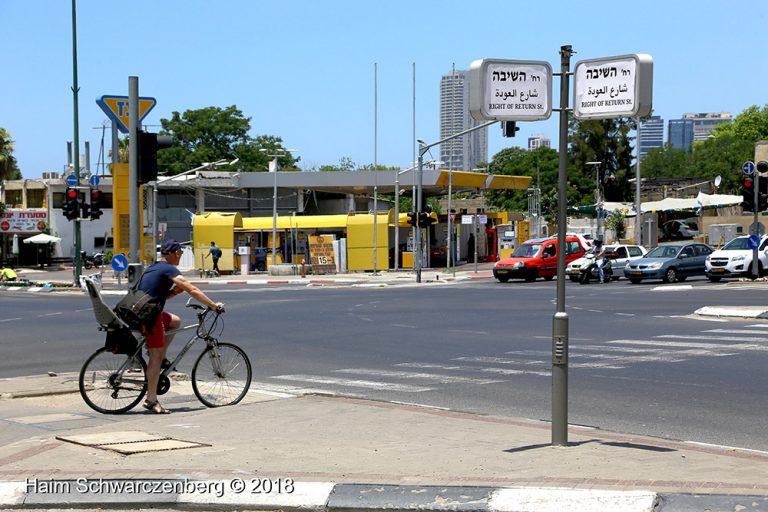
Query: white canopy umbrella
point(42, 238)
point(15, 246)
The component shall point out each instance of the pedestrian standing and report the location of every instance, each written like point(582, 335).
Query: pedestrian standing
point(215, 253)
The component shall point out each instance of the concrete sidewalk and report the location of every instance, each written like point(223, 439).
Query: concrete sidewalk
point(276, 451)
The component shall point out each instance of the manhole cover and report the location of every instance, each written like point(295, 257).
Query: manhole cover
point(130, 442)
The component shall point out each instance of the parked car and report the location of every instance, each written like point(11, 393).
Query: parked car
point(670, 262)
point(678, 230)
point(536, 258)
point(619, 254)
point(734, 259)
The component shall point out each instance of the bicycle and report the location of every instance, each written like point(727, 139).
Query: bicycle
point(113, 383)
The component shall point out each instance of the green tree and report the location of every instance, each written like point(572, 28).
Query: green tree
point(540, 164)
point(606, 141)
point(9, 170)
point(750, 125)
point(212, 133)
point(666, 162)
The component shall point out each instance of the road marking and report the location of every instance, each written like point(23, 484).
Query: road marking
point(501, 371)
point(735, 331)
point(718, 338)
point(625, 314)
point(760, 326)
point(10, 319)
point(710, 346)
point(380, 386)
point(479, 333)
point(83, 309)
point(50, 314)
point(405, 326)
point(442, 379)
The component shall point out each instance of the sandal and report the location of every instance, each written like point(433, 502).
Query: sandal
point(155, 407)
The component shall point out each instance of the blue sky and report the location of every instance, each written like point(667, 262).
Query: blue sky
point(304, 70)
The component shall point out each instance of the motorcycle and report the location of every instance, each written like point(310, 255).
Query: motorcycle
point(97, 260)
point(589, 270)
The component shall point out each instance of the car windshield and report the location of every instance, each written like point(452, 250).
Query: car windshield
point(527, 251)
point(737, 244)
point(669, 251)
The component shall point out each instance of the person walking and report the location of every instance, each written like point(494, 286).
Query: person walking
point(215, 253)
point(163, 280)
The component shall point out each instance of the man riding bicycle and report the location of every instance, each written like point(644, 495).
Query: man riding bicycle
point(163, 280)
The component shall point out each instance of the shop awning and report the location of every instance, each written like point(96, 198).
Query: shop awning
point(505, 182)
point(295, 222)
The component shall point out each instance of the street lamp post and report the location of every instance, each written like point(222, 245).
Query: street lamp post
point(598, 200)
point(277, 152)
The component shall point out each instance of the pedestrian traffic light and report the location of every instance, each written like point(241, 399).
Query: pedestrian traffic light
point(762, 193)
point(748, 194)
point(96, 197)
point(411, 219)
point(70, 206)
point(762, 167)
point(508, 128)
point(149, 144)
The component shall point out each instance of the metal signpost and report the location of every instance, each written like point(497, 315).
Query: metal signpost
point(522, 91)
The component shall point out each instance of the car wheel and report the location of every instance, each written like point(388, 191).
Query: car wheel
point(549, 278)
point(670, 276)
point(634, 281)
point(714, 279)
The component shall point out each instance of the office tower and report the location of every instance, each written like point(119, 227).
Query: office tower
point(680, 133)
point(538, 141)
point(651, 135)
point(466, 152)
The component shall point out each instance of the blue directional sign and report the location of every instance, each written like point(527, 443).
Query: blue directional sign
point(748, 168)
point(753, 242)
point(94, 181)
point(72, 180)
point(119, 262)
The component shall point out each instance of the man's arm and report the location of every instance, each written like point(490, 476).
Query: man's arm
point(182, 285)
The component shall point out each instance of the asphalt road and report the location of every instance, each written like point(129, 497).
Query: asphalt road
point(639, 363)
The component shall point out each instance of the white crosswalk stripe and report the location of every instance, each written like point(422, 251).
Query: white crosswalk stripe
point(473, 369)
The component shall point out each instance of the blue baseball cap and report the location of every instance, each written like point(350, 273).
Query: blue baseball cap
point(170, 246)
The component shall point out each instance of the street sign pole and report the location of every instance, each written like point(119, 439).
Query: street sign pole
point(77, 267)
point(133, 170)
point(756, 224)
point(560, 320)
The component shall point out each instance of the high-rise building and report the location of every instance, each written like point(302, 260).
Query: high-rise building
point(462, 153)
point(694, 127)
point(651, 135)
point(538, 141)
point(704, 123)
point(680, 133)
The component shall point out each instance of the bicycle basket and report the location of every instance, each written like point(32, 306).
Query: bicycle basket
point(121, 341)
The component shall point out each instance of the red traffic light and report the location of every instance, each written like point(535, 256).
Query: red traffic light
point(747, 183)
point(95, 195)
point(71, 193)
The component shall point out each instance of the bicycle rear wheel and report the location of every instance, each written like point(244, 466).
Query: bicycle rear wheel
point(107, 391)
point(221, 375)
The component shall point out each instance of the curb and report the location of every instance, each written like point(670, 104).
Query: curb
point(286, 494)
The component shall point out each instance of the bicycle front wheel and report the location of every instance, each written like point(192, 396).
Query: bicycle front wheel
point(221, 375)
point(105, 389)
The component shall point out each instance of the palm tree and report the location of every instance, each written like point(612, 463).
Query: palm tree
point(8, 167)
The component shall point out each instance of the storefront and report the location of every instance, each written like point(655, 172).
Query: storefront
point(15, 226)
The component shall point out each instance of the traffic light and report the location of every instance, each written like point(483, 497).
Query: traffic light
point(411, 219)
point(70, 206)
point(748, 194)
point(149, 144)
point(96, 197)
point(508, 128)
point(762, 193)
point(426, 219)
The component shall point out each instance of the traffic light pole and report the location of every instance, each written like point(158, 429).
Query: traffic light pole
point(133, 170)
point(755, 225)
point(423, 148)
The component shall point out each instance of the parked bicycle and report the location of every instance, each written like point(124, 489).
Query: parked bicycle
point(113, 380)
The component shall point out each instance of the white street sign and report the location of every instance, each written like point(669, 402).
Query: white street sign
point(466, 219)
point(609, 87)
point(510, 90)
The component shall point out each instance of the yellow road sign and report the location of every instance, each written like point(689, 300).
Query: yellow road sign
point(116, 108)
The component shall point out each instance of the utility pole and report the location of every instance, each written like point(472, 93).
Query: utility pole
point(78, 264)
point(134, 213)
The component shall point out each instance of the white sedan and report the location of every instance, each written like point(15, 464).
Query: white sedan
point(619, 255)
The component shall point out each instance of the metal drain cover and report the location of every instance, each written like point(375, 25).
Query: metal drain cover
point(130, 442)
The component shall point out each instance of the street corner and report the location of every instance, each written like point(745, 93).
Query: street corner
point(755, 312)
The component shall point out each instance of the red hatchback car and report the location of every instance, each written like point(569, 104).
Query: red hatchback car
point(536, 258)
